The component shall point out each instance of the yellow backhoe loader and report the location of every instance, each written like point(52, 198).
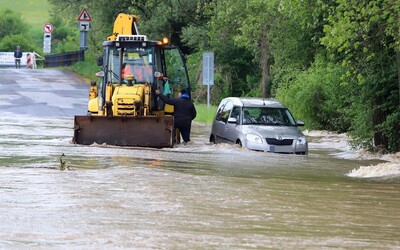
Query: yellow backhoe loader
point(123, 109)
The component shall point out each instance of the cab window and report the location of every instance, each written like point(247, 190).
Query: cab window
point(139, 63)
point(113, 74)
point(175, 70)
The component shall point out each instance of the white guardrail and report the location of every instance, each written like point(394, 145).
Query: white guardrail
point(28, 59)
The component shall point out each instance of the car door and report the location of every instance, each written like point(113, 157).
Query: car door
point(218, 125)
point(231, 129)
point(221, 120)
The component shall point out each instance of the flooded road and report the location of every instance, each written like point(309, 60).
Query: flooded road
point(198, 196)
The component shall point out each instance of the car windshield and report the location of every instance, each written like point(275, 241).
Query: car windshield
point(268, 116)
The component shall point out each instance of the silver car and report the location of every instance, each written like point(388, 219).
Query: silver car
point(258, 124)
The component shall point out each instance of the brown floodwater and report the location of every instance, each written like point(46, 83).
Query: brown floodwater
point(199, 196)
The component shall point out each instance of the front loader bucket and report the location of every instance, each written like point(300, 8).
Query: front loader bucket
point(146, 131)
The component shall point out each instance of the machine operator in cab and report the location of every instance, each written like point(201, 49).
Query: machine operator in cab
point(138, 67)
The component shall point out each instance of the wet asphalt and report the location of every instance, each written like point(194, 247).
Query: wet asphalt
point(42, 92)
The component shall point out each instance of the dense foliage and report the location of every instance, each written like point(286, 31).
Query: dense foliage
point(12, 31)
point(335, 64)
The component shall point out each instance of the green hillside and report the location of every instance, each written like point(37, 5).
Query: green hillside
point(34, 12)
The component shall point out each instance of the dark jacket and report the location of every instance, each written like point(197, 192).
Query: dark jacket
point(18, 54)
point(183, 107)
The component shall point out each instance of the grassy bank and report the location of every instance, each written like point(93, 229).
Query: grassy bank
point(205, 114)
point(35, 13)
point(87, 69)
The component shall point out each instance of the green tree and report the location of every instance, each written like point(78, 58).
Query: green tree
point(362, 35)
point(316, 97)
point(255, 33)
point(241, 30)
point(234, 64)
point(302, 76)
point(11, 23)
point(10, 42)
point(62, 28)
point(295, 38)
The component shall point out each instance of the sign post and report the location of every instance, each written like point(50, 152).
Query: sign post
point(84, 20)
point(208, 72)
point(47, 29)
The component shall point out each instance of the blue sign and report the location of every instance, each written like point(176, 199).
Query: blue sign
point(208, 68)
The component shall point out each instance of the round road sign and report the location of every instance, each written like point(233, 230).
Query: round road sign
point(48, 28)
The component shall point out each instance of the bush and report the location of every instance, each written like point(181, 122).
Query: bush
point(391, 129)
point(68, 44)
point(317, 97)
point(10, 43)
point(11, 23)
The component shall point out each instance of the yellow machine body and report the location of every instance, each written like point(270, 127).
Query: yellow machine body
point(124, 24)
point(123, 109)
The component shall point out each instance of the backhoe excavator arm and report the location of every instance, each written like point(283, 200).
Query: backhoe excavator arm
point(124, 24)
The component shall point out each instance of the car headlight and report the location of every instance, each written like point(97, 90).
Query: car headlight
point(254, 138)
point(301, 140)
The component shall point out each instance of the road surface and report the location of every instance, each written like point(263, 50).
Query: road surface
point(42, 92)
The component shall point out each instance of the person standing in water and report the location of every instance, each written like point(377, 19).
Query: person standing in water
point(184, 112)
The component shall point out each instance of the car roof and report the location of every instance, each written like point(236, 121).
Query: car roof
point(255, 102)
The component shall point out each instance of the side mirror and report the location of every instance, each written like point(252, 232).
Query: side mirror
point(300, 123)
point(100, 74)
point(232, 120)
point(100, 61)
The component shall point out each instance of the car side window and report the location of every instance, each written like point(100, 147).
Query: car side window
point(221, 107)
point(226, 111)
point(235, 112)
point(219, 113)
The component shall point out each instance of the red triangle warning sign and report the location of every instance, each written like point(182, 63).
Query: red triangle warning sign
point(84, 16)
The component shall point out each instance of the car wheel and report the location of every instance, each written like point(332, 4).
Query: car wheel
point(238, 142)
